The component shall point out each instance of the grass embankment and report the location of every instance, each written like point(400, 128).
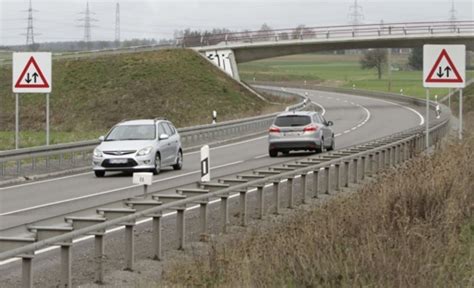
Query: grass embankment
point(406, 230)
point(339, 71)
point(93, 93)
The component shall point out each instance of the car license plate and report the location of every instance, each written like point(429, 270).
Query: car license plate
point(292, 134)
point(118, 161)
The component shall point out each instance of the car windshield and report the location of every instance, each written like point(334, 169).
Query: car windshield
point(292, 120)
point(132, 132)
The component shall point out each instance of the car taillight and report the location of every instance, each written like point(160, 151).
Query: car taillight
point(274, 129)
point(310, 128)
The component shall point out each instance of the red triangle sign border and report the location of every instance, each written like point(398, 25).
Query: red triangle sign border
point(430, 78)
point(30, 62)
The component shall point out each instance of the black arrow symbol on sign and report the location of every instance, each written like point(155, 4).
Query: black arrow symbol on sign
point(35, 75)
point(28, 79)
point(440, 72)
point(447, 70)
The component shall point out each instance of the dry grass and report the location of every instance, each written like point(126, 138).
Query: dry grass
point(407, 230)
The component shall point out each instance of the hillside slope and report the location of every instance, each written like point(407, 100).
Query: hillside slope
point(92, 94)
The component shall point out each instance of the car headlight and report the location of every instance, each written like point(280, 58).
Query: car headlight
point(97, 153)
point(144, 151)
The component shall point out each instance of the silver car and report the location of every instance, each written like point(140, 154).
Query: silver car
point(300, 130)
point(139, 145)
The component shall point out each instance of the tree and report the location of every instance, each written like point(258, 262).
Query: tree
point(415, 60)
point(375, 58)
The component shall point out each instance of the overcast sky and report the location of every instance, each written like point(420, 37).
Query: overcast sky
point(57, 20)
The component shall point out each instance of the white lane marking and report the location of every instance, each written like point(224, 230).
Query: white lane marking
point(260, 156)
point(338, 134)
point(347, 131)
point(45, 181)
point(422, 119)
point(111, 191)
point(320, 106)
point(81, 174)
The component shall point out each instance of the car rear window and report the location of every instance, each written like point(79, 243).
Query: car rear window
point(292, 120)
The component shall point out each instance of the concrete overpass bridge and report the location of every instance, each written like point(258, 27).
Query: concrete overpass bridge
point(226, 50)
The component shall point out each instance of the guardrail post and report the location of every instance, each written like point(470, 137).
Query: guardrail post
point(156, 226)
point(2, 169)
point(315, 183)
point(243, 208)
point(356, 170)
point(203, 214)
point(327, 171)
point(303, 187)
point(346, 172)
point(180, 227)
point(362, 172)
point(129, 247)
point(260, 201)
point(18, 167)
point(27, 271)
point(66, 279)
point(389, 157)
point(371, 164)
point(99, 257)
point(290, 192)
point(384, 160)
point(33, 163)
point(337, 168)
point(378, 155)
point(224, 212)
point(276, 195)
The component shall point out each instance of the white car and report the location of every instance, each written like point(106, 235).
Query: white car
point(139, 145)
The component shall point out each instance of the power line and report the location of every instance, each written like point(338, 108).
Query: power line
point(117, 23)
point(452, 16)
point(355, 14)
point(30, 35)
point(87, 23)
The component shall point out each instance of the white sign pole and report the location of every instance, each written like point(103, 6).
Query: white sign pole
point(460, 114)
point(205, 164)
point(427, 118)
point(17, 121)
point(47, 119)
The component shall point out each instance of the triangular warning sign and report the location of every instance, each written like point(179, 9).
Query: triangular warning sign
point(444, 70)
point(31, 76)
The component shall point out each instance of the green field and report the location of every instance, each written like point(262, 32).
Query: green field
point(337, 70)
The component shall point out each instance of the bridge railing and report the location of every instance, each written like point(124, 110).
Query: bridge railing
point(331, 32)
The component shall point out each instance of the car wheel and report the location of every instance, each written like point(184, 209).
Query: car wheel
point(157, 169)
point(333, 145)
point(99, 173)
point(320, 148)
point(179, 161)
point(273, 153)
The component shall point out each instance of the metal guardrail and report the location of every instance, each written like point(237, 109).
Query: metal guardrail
point(332, 32)
point(327, 170)
point(78, 154)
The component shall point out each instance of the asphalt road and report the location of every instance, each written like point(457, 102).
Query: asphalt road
point(356, 120)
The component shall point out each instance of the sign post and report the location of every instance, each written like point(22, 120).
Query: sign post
point(31, 74)
point(444, 66)
point(205, 170)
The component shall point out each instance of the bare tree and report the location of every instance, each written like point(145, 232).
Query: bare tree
point(374, 58)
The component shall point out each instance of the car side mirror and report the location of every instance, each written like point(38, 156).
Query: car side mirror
point(330, 123)
point(164, 136)
point(101, 138)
